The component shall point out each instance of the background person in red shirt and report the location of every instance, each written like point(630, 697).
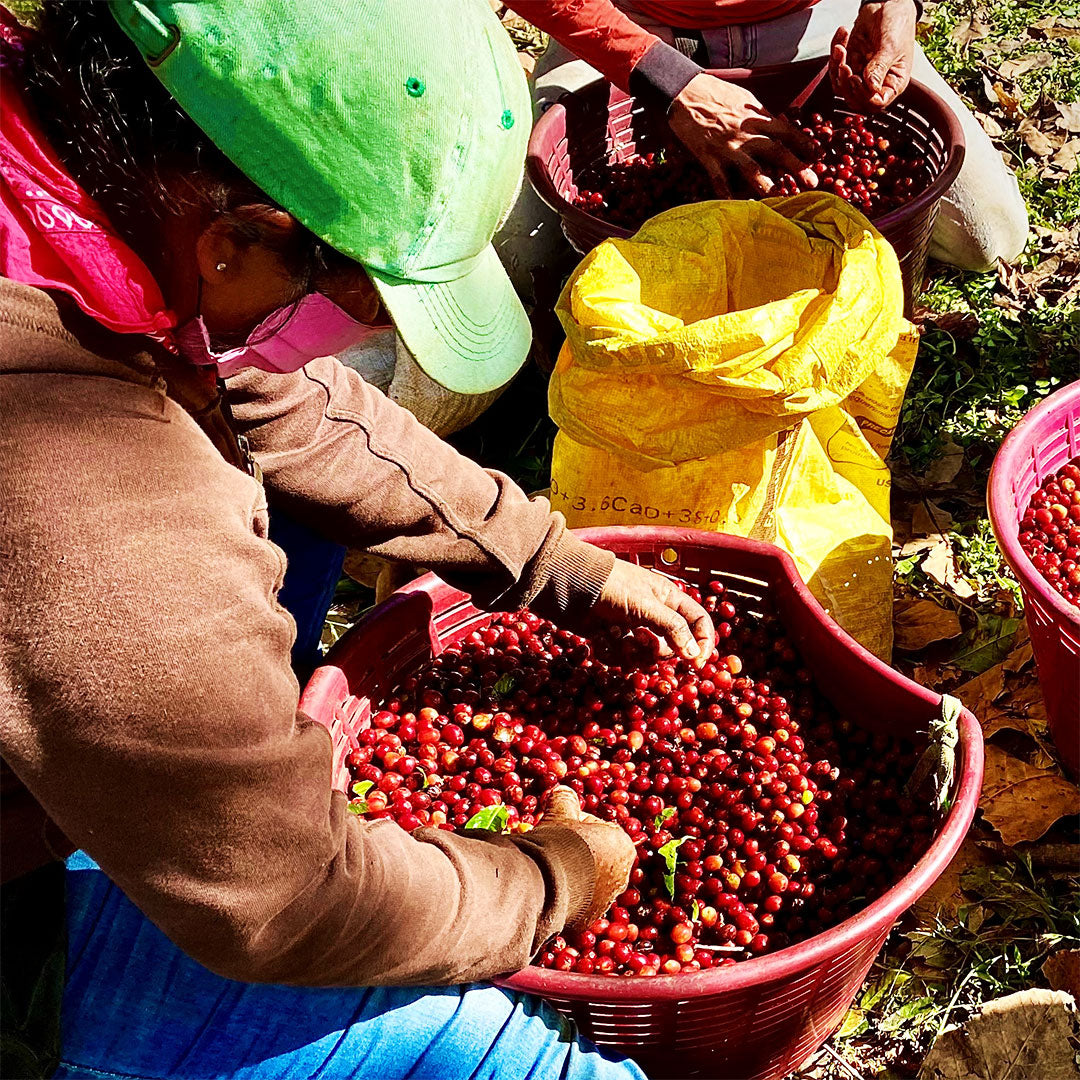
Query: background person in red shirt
point(658, 50)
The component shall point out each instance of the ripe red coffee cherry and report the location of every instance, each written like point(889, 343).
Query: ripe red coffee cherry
point(739, 762)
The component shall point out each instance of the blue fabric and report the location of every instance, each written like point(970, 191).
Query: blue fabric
point(312, 570)
point(136, 1007)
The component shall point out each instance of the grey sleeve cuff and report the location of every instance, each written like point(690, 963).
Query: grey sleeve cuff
point(660, 76)
point(575, 575)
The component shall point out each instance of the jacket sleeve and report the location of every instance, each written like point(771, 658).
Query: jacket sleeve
point(594, 30)
point(148, 704)
point(363, 471)
point(623, 52)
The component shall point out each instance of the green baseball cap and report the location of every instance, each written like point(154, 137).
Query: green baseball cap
point(395, 130)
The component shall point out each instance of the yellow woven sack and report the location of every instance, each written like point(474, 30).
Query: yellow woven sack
point(739, 366)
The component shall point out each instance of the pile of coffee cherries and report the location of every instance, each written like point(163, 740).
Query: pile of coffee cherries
point(1050, 531)
point(852, 160)
point(630, 192)
point(759, 817)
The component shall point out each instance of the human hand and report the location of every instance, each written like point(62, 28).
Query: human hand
point(870, 65)
point(725, 126)
point(641, 598)
point(612, 849)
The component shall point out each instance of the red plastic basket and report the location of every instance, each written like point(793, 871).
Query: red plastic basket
point(588, 129)
point(759, 1019)
point(1047, 438)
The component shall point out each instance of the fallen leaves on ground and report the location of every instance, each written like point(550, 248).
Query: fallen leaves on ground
point(1028, 1034)
point(1020, 801)
point(940, 565)
point(929, 519)
point(978, 694)
point(918, 623)
point(1062, 971)
point(945, 897)
point(987, 643)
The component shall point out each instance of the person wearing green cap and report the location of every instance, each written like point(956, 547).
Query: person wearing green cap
point(191, 191)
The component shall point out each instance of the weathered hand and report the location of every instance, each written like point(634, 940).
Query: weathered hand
point(612, 849)
point(639, 597)
point(725, 126)
point(870, 65)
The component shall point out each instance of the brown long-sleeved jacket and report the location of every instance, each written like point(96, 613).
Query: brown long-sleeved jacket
point(147, 706)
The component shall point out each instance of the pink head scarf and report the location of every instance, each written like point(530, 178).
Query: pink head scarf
point(52, 234)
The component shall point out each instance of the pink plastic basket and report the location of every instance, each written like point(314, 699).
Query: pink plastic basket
point(588, 129)
point(760, 1019)
point(1047, 438)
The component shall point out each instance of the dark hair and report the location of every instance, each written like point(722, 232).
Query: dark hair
point(130, 146)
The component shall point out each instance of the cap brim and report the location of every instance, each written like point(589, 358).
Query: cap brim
point(471, 335)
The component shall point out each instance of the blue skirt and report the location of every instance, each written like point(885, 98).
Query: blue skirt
point(135, 1006)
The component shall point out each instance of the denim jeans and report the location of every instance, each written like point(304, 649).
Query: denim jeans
point(135, 1008)
point(312, 569)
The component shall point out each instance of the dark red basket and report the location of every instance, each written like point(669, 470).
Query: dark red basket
point(1047, 438)
point(759, 1019)
point(599, 125)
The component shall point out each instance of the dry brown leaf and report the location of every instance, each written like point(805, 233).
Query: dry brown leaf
point(1021, 801)
point(997, 720)
point(990, 125)
point(1009, 102)
point(920, 543)
point(1019, 658)
point(1009, 278)
point(961, 324)
point(927, 675)
point(1062, 971)
point(1056, 26)
point(979, 693)
point(1041, 272)
point(1043, 759)
point(1026, 695)
point(969, 30)
point(1037, 720)
point(1010, 45)
point(1070, 115)
point(1038, 141)
point(1013, 69)
point(929, 519)
point(940, 565)
point(944, 470)
point(1024, 1036)
point(945, 897)
point(1066, 157)
point(918, 623)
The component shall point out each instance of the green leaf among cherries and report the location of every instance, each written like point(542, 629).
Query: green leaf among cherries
point(490, 819)
point(504, 685)
point(360, 789)
point(670, 854)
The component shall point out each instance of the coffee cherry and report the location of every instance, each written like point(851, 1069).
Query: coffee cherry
point(785, 815)
point(1048, 536)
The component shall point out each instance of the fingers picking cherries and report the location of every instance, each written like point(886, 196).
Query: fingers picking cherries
point(758, 816)
point(853, 159)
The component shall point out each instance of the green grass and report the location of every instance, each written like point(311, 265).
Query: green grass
point(979, 559)
point(937, 975)
point(1058, 79)
point(976, 389)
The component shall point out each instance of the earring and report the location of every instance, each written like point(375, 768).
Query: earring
point(219, 267)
